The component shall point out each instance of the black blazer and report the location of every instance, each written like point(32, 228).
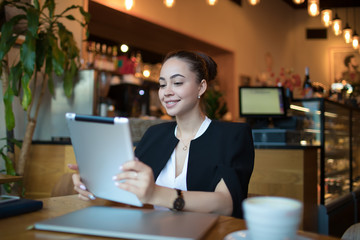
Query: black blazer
point(224, 151)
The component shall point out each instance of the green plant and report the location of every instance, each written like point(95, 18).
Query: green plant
point(9, 166)
point(49, 47)
point(215, 105)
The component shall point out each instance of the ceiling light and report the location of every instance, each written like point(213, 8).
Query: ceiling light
point(254, 2)
point(313, 8)
point(124, 48)
point(347, 33)
point(298, 1)
point(326, 17)
point(169, 3)
point(355, 36)
point(355, 40)
point(337, 25)
point(129, 4)
point(347, 30)
point(211, 2)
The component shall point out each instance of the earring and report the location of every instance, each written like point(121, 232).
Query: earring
point(199, 96)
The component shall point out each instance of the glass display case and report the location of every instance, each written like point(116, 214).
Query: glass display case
point(335, 128)
point(355, 150)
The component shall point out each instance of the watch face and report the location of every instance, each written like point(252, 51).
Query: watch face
point(179, 204)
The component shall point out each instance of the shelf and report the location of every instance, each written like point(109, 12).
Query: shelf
point(9, 178)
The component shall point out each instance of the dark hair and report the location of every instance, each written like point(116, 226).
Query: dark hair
point(200, 63)
point(347, 59)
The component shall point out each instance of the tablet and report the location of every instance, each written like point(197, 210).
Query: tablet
point(101, 145)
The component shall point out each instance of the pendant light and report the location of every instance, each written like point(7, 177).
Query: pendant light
point(211, 2)
point(129, 4)
point(326, 17)
point(298, 1)
point(355, 36)
point(337, 25)
point(347, 31)
point(355, 40)
point(254, 2)
point(169, 3)
point(313, 8)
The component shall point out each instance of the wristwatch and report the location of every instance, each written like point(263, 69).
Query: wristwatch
point(179, 202)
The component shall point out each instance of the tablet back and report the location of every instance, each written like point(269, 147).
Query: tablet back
point(101, 145)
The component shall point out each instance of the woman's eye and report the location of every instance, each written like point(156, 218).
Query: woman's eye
point(178, 83)
point(161, 85)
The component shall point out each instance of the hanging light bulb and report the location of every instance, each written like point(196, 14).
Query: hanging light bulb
point(355, 40)
point(254, 2)
point(347, 30)
point(313, 8)
point(337, 25)
point(298, 1)
point(326, 17)
point(355, 36)
point(347, 33)
point(169, 3)
point(211, 2)
point(129, 4)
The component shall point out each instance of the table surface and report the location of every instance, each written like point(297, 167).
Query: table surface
point(9, 178)
point(20, 227)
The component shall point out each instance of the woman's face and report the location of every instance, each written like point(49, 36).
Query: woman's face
point(179, 88)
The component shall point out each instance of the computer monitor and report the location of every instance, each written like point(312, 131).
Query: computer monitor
point(262, 102)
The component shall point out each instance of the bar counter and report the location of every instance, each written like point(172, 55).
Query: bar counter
point(19, 227)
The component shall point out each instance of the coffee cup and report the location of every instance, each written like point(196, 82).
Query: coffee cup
point(272, 218)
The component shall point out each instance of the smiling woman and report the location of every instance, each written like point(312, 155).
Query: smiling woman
point(192, 164)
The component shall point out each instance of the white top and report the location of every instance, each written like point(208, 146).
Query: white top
point(167, 177)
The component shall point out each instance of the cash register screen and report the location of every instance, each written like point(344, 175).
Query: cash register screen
point(262, 102)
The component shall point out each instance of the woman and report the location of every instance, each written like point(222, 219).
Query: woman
point(193, 164)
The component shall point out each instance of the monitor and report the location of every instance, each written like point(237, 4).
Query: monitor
point(262, 102)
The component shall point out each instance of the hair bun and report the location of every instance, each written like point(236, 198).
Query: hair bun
point(211, 65)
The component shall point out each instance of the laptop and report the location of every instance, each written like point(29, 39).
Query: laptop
point(101, 145)
point(132, 223)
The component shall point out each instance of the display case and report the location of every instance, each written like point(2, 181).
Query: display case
point(335, 128)
point(355, 150)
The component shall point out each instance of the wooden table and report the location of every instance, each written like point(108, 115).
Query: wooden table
point(19, 227)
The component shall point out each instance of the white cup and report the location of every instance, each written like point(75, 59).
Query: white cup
point(272, 218)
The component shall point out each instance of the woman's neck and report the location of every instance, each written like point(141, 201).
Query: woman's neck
point(189, 125)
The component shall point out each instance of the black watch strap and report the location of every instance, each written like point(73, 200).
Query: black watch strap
point(179, 202)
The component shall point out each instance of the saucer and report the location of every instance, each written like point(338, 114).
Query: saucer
point(244, 235)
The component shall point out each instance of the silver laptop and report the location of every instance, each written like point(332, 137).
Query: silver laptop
point(101, 145)
point(132, 223)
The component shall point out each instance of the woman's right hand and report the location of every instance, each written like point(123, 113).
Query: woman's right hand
point(80, 186)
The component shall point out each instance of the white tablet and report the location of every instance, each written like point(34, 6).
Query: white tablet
point(101, 146)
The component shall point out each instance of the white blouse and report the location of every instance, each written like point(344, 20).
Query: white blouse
point(167, 177)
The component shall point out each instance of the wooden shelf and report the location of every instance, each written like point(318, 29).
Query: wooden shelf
point(8, 178)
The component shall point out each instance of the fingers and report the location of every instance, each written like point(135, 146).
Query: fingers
point(134, 165)
point(136, 177)
point(81, 188)
point(73, 166)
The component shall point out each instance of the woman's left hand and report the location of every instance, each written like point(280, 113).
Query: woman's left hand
point(138, 178)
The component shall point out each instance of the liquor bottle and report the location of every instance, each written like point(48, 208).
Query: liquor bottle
point(114, 59)
point(91, 54)
point(97, 57)
point(307, 86)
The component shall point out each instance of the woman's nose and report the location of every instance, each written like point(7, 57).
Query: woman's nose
point(168, 91)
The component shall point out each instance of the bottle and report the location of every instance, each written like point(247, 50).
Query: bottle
point(307, 86)
point(91, 54)
point(97, 57)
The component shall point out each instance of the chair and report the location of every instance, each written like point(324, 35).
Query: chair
point(64, 186)
point(352, 233)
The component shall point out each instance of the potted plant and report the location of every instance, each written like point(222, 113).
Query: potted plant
point(48, 48)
